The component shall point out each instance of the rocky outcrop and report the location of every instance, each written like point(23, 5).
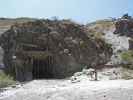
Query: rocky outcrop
point(131, 44)
point(58, 48)
point(5, 24)
point(124, 27)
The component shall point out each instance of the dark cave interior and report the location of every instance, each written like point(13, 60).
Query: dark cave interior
point(42, 68)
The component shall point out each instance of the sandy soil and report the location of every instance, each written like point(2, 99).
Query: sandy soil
point(65, 90)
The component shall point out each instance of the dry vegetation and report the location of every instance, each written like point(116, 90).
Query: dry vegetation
point(5, 80)
point(126, 73)
point(96, 29)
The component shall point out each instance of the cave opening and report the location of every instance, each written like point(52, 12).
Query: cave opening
point(42, 68)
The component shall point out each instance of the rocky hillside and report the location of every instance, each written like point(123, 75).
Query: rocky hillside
point(124, 27)
point(67, 42)
point(109, 31)
point(71, 44)
point(5, 24)
point(103, 29)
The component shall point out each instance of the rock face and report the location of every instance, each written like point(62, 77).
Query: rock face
point(131, 44)
point(124, 27)
point(5, 24)
point(50, 49)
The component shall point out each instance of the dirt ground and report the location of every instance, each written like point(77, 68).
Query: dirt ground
point(65, 90)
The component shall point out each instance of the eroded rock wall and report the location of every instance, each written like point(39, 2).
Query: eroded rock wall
point(67, 42)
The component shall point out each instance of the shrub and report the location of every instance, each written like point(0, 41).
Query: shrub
point(98, 35)
point(127, 56)
point(5, 80)
point(127, 59)
point(129, 66)
point(126, 73)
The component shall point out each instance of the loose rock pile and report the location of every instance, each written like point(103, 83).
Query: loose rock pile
point(89, 73)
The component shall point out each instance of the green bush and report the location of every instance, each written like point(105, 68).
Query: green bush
point(127, 56)
point(127, 59)
point(5, 80)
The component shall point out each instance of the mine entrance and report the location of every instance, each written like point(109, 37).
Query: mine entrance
point(42, 68)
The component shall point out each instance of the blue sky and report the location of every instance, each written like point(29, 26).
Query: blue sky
point(78, 10)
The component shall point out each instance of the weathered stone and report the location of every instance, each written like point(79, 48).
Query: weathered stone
point(124, 26)
point(50, 49)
